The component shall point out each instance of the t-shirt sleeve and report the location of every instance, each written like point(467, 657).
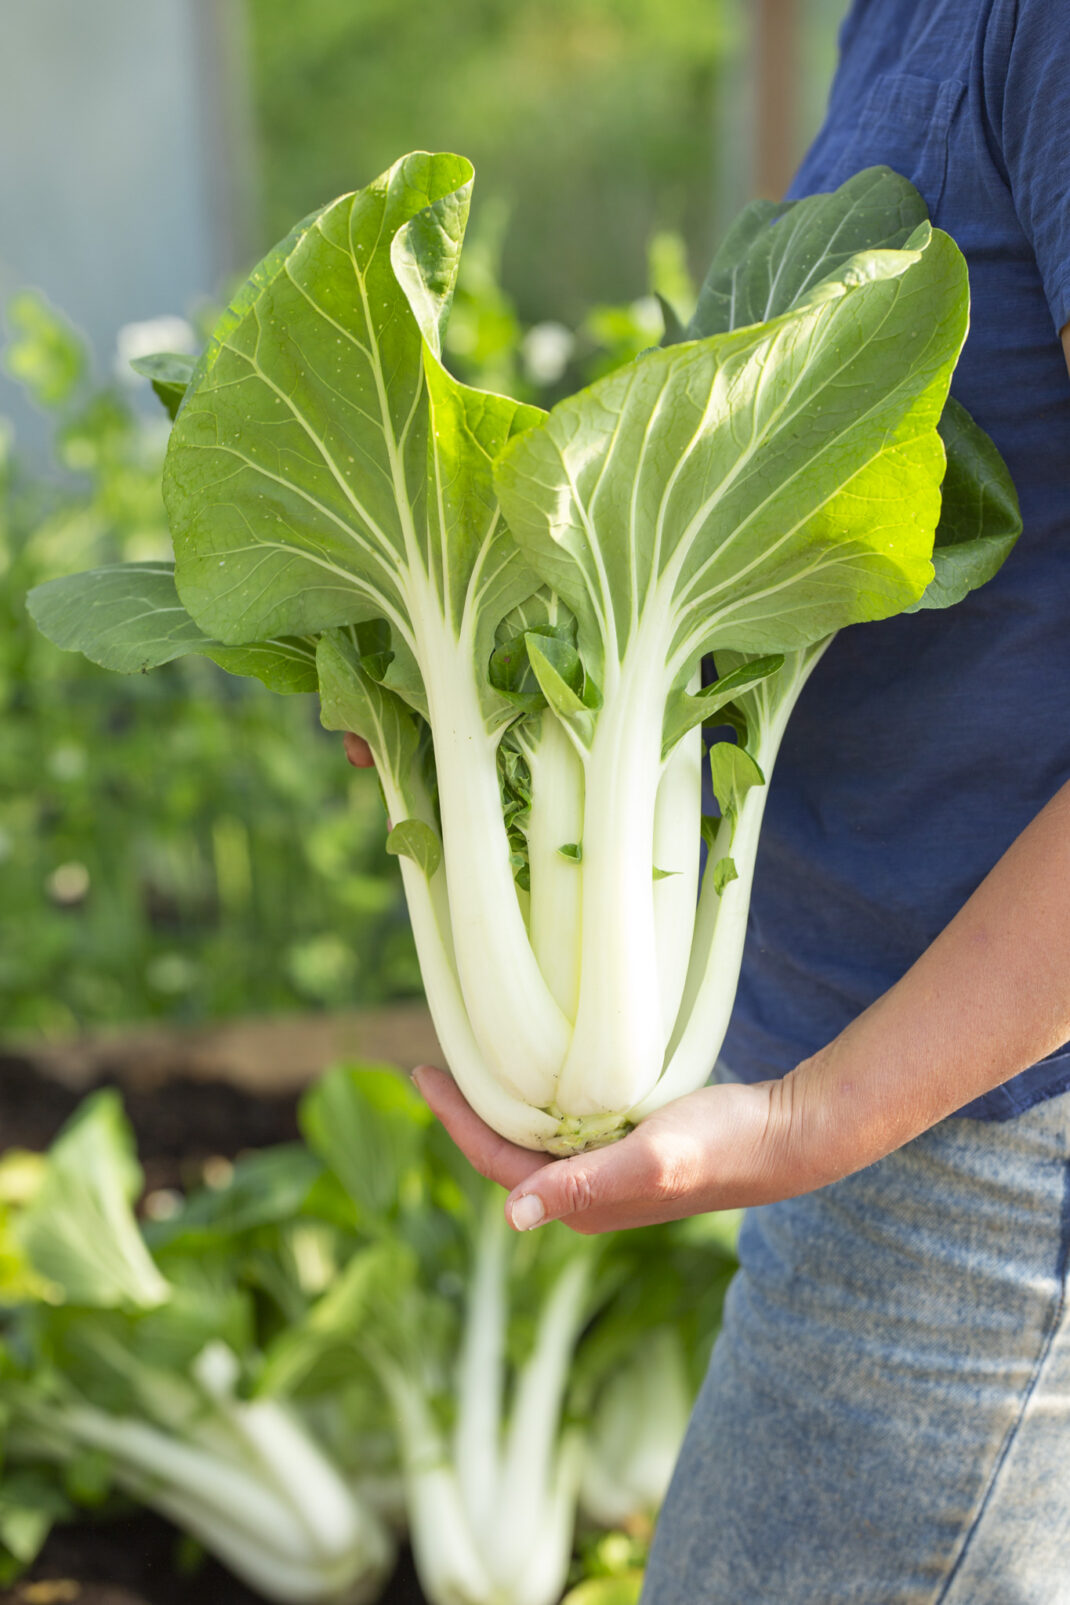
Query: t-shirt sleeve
point(1034, 134)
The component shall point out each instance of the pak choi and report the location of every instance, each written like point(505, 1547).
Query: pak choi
point(512, 608)
point(122, 1379)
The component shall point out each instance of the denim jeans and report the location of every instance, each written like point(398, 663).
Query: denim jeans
point(886, 1417)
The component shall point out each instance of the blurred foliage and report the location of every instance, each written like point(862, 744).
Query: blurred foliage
point(181, 843)
point(488, 343)
point(593, 120)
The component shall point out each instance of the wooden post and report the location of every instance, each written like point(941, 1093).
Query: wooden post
point(777, 64)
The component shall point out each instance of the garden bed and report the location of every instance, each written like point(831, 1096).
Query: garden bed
point(180, 1126)
point(138, 1560)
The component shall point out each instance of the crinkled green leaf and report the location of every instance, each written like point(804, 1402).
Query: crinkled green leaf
point(413, 838)
point(170, 373)
point(543, 616)
point(776, 254)
point(368, 1125)
point(734, 772)
point(760, 489)
point(980, 519)
point(128, 618)
point(324, 467)
point(79, 1231)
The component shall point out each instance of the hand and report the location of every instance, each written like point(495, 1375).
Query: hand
point(358, 751)
point(719, 1148)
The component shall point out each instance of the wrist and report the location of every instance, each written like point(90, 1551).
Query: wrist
point(799, 1143)
point(794, 1144)
point(844, 1114)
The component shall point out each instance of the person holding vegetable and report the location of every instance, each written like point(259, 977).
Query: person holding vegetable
point(887, 1413)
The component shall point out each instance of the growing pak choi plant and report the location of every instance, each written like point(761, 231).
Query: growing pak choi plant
point(342, 1344)
point(119, 1379)
point(513, 608)
point(641, 1365)
point(470, 1335)
point(499, 1354)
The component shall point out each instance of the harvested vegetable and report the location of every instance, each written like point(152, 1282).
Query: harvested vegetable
point(512, 608)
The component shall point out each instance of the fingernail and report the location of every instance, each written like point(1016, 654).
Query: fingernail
point(414, 1076)
point(527, 1212)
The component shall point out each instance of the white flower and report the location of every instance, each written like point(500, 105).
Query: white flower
point(547, 348)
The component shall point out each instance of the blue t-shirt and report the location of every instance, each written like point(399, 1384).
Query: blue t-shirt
point(922, 746)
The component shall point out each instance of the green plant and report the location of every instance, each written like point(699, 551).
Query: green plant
point(123, 1379)
point(339, 1340)
point(512, 608)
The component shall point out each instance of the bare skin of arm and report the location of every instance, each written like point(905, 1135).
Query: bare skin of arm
point(989, 997)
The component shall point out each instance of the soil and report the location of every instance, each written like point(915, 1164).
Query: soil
point(178, 1124)
point(138, 1559)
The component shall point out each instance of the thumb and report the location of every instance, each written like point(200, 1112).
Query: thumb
point(573, 1187)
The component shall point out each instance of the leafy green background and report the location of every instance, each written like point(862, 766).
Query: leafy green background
point(180, 843)
point(594, 120)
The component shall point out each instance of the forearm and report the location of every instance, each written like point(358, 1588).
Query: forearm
point(987, 999)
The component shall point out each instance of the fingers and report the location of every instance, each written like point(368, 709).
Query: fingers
point(631, 1183)
point(492, 1155)
point(623, 1185)
point(358, 751)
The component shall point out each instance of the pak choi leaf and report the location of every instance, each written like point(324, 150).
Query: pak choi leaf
point(128, 618)
point(412, 838)
point(724, 873)
point(170, 373)
point(79, 1229)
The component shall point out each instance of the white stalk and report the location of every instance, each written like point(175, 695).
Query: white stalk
point(529, 1470)
point(721, 927)
point(639, 1424)
point(556, 818)
point(543, 1579)
point(720, 932)
point(165, 1463)
point(446, 1551)
point(352, 1579)
point(521, 1031)
point(300, 1471)
point(481, 1373)
point(677, 831)
point(429, 914)
point(618, 1043)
